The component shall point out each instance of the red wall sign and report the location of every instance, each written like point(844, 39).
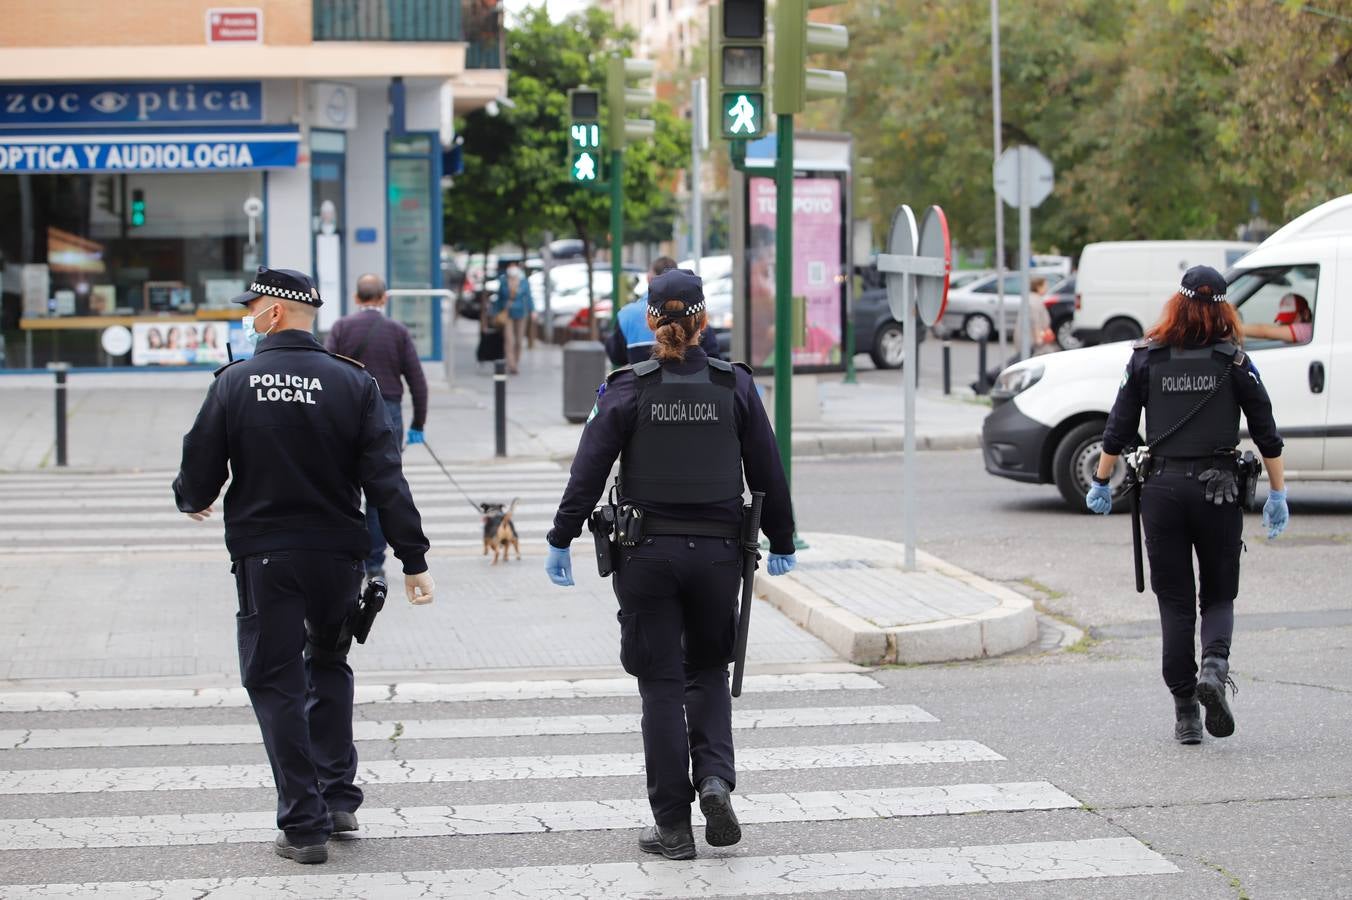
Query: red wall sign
point(234, 25)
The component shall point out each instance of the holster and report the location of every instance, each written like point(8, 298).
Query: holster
point(1249, 469)
point(601, 523)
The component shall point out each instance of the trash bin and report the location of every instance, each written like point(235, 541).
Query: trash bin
point(584, 368)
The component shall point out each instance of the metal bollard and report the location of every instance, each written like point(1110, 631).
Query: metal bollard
point(500, 407)
point(60, 370)
point(948, 369)
point(981, 366)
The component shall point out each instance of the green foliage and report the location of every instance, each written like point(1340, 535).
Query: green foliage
point(1164, 118)
point(516, 181)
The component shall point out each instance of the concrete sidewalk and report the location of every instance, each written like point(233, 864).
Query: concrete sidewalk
point(854, 594)
point(135, 421)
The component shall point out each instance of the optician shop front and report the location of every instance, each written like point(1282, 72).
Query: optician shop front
point(134, 212)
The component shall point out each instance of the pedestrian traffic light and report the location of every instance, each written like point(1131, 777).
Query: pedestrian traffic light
point(584, 135)
point(107, 191)
point(138, 208)
point(795, 40)
point(737, 57)
point(620, 98)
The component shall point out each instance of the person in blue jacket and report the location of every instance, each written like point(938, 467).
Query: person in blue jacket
point(514, 298)
point(632, 340)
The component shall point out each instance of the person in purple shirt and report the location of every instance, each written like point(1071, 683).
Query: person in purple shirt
point(386, 348)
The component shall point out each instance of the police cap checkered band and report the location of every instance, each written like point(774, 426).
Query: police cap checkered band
point(1205, 282)
point(681, 285)
point(285, 284)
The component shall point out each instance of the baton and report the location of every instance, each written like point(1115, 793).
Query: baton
point(750, 556)
point(1135, 490)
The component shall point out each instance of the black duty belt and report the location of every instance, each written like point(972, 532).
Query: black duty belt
point(653, 525)
point(1188, 466)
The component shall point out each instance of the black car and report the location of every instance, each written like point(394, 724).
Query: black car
point(1060, 303)
point(877, 333)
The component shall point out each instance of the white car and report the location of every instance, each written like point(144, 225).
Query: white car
point(973, 303)
point(1047, 425)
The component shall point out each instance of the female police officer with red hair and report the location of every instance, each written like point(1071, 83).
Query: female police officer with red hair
point(685, 427)
point(1192, 379)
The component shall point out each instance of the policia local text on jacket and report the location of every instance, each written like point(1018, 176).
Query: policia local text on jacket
point(300, 432)
point(685, 431)
point(1192, 397)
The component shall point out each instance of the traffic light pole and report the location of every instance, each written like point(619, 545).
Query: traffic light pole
point(616, 228)
point(784, 292)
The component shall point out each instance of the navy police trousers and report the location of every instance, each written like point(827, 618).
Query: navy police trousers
point(678, 627)
point(303, 699)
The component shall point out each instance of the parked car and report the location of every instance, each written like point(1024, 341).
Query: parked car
point(1060, 303)
point(877, 333)
point(973, 306)
point(1047, 424)
point(1123, 285)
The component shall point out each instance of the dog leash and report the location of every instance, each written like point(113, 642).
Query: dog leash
point(451, 478)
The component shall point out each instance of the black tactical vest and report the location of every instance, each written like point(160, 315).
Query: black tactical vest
point(684, 447)
point(1181, 379)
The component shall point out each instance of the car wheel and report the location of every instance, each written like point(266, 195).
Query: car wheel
point(889, 346)
point(976, 327)
point(1075, 461)
point(1121, 330)
point(1065, 334)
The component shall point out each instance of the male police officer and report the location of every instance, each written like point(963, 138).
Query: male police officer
point(632, 340)
point(303, 432)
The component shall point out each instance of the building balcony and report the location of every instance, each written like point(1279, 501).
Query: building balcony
point(476, 23)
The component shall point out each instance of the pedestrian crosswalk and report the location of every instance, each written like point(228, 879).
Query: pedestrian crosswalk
point(103, 513)
point(529, 789)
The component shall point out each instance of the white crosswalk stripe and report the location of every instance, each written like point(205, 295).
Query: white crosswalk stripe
point(868, 749)
point(93, 513)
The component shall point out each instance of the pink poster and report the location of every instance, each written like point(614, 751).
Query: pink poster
point(817, 272)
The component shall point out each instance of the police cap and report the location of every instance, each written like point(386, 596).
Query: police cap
point(285, 284)
point(1204, 283)
point(676, 284)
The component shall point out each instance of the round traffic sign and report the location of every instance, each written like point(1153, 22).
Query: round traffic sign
point(116, 340)
point(900, 242)
point(932, 290)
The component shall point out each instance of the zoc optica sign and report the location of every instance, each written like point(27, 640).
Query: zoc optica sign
point(146, 103)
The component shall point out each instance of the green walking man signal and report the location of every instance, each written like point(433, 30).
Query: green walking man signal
point(584, 135)
point(737, 60)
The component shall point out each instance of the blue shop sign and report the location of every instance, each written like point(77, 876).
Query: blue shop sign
point(147, 103)
point(266, 147)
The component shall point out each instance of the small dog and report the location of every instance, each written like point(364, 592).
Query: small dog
point(499, 532)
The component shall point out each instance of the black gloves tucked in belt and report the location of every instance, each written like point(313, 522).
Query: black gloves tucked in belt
point(1221, 486)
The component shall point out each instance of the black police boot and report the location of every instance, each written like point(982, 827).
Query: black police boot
point(673, 842)
point(1211, 682)
point(343, 821)
point(1187, 720)
point(721, 828)
point(313, 853)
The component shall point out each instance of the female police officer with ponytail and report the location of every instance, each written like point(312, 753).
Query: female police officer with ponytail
point(686, 428)
point(1192, 379)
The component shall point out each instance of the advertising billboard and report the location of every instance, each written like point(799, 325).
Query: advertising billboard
point(179, 343)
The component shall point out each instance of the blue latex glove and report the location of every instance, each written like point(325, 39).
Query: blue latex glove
point(780, 563)
point(1099, 499)
point(415, 437)
point(1275, 513)
point(559, 566)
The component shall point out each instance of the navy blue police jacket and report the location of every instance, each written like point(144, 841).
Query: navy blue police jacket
point(301, 433)
point(614, 420)
point(1134, 392)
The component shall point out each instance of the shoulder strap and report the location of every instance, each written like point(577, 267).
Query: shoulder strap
point(1192, 413)
point(349, 360)
point(618, 372)
point(745, 367)
point(720, 364)
point(217, 373)
point(366, 339)
point(646, 367)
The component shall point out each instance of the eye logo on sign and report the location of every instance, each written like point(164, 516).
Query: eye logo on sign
point(108, 102)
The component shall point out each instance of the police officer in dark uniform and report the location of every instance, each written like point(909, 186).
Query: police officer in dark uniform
point(685, 427)
point(1193, 380)
point(303, 432)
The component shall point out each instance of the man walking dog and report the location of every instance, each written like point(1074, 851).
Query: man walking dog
point(386, 348)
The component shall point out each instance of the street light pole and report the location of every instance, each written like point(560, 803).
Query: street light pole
point(616, 230)
point(784, 291)
point(999, 204)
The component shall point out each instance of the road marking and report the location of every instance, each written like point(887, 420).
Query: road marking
point(530, 818)
point(507, 768)
point(53, 537)
point(428, 471)
point(450, 729)
point(866, 870)
point(411, 692)
point(167, 515)
point(432, 500)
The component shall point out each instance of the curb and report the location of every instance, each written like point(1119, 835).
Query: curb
point(1010, 625)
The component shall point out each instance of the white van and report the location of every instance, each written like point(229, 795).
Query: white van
point(1123, 285)
point(1047, 425)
